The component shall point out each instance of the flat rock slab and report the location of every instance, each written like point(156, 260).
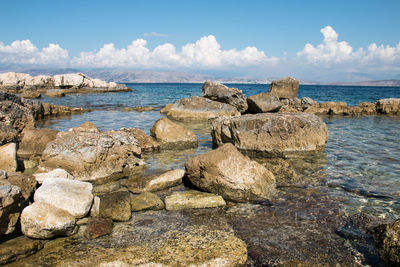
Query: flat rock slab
point(115, 205)
point(56, 173)
point(146, 201)
point(97, 227)
point(73, 196)
point(19, 248)
point(8, 160)
point(193, 200)
point(272, 134)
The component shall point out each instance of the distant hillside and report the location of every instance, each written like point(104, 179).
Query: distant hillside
point(371, 83)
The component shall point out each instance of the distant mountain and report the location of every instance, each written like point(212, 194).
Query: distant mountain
point(370, 83)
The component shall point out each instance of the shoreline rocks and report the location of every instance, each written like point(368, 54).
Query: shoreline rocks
point(221, 93)
point(193, 200)
point(285, 88)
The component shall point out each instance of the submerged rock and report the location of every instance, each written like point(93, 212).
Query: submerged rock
point(8, 160)
point(272, 134)
point(97, 227)
point(221, 93)
point(18, 248)
point(263, 102)
point(226, 172)
point(146, 201)
point(115, 205)
point(284, 88)
point(387, 240)
point(193, 200)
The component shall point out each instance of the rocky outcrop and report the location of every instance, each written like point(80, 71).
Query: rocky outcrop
point(31, 94)
point(146, 201)
point(389, 106)
point(193, 200)
point(272, 134)
point(91, 155)
point(199, 108)
point(263, 103)
point(284, 88)
point(226, 172)
point(34, 142)
point(387, 240)
point(8, 160)
point(221, 93)
point(172, 136)
point(115, 205)
point(68, 83)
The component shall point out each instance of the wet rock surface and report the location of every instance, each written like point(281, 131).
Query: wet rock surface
point(114, 205)
point(146, 201)
point(193, 200)
point(387, 239)
point(97, 227)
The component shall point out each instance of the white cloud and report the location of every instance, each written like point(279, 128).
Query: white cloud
point(24, 52)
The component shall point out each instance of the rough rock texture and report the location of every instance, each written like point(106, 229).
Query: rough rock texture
point(193, 200)
point(42, 220)
point(263, 102)
point(91, 155)
point(8, 160)
point(34, 141)
point(146, 201)
point(387, 240)
point(146, 143)
point(272, 134)
point(54, 174)
point(284, 88)
point(73, 196)
point(154, 183)
point(10, 206)
point(55, 93)
point(226, 172)
point(115, 205)
point(19, 248)
point(388, 106)
point(199, 108)
point(173, 136)
point(221, 93)
point(284, 172)
point(31, 94)
point(25, 182)
point(97, 227)
point(139, 109)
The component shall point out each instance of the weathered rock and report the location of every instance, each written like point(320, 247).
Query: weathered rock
point(25, 182)
point(34, 141)
point(193, 200)
point(307, 102)
point(10, 206)
point(272, 134)
point(3, 174)
point(97, 227)
point(8, 160)
point(18, 248)
point(172, 136)
point(146, 201)
point(284, 88)
point(155, 183)
point(200, 108)
point(139, 109)
point(146, 143)
point(91, 155)
point(55, 93)
point(30, 94)
point(73, 196)
point(387, 240)
point(166, 109)
point(365, 108)
point(388, 106)
point(284, 173)
point(54, 174)
point(226, 172)
point(263, 102)
point(221, 93)
point(115, 205)
point(42, 220)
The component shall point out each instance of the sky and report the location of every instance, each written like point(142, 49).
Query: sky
point(325, 41)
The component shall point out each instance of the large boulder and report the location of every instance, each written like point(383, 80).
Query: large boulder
point(199, 108)
point(221, 93)
point(226, 172)
point(73, 196)
point(193, 200)
point(146, 143)
point(388, 106)
point(173, 136)
point(34, 142)
point(284, 88)
point(91, 155)
point(42, 220)
point(263, 102)
point(272, 134)
point(8, 160)
point(387, 240)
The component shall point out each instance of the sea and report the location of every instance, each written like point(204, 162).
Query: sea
point(354, 182)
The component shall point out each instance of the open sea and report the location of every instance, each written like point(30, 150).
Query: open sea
point(358, 175)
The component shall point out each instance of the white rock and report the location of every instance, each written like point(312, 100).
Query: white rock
point(74, 80)
point(14, 79)
point(8, 160)
point(73, 196)
point(56, 173)
point(38, 81)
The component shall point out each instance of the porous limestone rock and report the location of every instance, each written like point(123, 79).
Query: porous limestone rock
point(8, 160)
point(146, 201)
point(173, 136)
point(56, 173)
point(31, 94)
point(146, 142)
point(228, 173)
point(34, 141)
point(221, 93)
point(387, 240)
point(10, 206)
point(284, 88)
point(263, 102)
point(388, 106)
point(193, 200)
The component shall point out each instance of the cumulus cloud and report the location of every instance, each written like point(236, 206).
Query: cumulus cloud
point(24, 52)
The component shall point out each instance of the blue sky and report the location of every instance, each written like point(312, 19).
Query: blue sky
point(312, 40)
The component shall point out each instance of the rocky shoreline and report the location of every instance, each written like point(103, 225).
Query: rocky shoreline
point(83, 198)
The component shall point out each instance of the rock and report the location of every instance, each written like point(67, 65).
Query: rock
point(34, 141)
point(291, 105)
point(263, 102)
point(31, 94)
point(226, 172)
point(193, 200)
point(284, 173)
point(42, 220)
point(12, 80)
point(307, 102)
point(97, 227)
point(55, 93)
point(387, 240)
point(388, 106)
point(54, 174)
point(284, 88)
point(3, 174)
point(115, 205)
point(166, 109)
point(200, 108)
point(272, 134)
point(91, 155)
point(173, 136)
point(139, 109)
point(146, 201)
point(365, 108)
point(18, 248)
point(146, 143)
point(73, 196)
point(8, 160)
point(10, 206)
point(221, 93)
point(155, 183)
point(25, 182)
